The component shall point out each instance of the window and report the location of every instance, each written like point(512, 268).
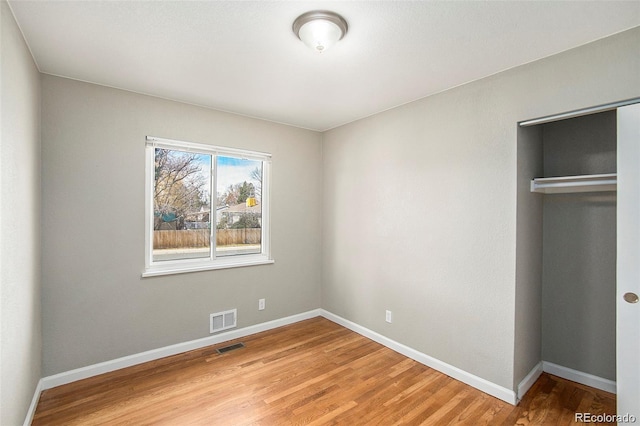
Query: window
point(207, 207)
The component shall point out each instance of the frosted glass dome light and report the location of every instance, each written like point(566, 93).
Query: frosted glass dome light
point(320, 29)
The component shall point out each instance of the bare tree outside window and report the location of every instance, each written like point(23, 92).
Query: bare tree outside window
point(181, 202)
point(205, 207)
point(239, 213)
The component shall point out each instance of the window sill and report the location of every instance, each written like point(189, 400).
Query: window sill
point(159, 270)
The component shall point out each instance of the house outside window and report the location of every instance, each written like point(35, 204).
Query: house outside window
point(207, 207)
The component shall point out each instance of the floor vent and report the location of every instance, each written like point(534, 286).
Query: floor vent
point(222, 320)
point(230, 348)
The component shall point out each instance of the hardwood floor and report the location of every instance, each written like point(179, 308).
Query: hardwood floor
point(314, 372)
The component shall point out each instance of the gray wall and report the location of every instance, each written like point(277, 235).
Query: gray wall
point(412, 210)
point(420, 211)
point(528, 302)
point(21, 334)
point(96, 306)
point(579, 249)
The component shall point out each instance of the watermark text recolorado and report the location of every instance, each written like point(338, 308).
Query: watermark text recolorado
point(604, 418)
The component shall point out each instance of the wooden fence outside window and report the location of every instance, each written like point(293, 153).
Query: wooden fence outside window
point(194, 238)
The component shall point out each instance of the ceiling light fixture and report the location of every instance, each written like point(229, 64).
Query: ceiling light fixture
point(320, 29)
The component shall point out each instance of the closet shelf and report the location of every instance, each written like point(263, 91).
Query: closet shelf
point(567, 184)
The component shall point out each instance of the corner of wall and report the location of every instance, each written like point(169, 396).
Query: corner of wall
point(20, 195)
point(528, 294)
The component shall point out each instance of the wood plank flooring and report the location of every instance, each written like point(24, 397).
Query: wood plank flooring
point(314, 372)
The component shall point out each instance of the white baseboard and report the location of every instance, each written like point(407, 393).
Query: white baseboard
point(479, 383)
point(135, 359)
point(566, 373)
point(34, 403)
point(579, 377)
point(529, 380)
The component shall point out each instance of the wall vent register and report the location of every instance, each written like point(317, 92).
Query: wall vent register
point(222, 320)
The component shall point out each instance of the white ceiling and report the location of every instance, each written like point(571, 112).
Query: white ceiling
point(242, 57)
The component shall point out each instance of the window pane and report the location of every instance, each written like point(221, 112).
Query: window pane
point(181, 205)
point(239, 211)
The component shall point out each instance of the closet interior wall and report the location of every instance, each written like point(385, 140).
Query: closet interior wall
point(579, 248)
point(566, 250)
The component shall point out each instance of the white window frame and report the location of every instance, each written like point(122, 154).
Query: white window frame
point(167, 267)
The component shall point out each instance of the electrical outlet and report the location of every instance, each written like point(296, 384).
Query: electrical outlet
point(261, 304)
point(388, 317)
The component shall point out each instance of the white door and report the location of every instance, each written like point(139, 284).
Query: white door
point(628, 262)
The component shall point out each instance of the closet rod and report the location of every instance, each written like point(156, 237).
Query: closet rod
point(578, 112)
point(568, 184)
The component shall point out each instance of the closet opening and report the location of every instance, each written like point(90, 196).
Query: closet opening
point(566, 249)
